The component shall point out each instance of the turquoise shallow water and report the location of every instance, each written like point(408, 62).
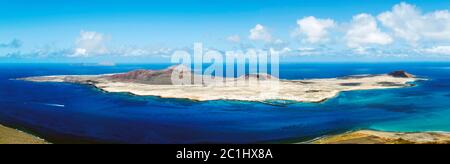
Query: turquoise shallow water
point(64, 113)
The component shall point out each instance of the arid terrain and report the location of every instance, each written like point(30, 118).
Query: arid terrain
point(252, 87)
point(12, 136)
point(377, 137)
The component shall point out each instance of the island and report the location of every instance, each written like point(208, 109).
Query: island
point(249, 87)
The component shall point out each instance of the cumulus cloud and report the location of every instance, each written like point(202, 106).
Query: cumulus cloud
point(47, 51)
point(12, 44)
point(132, 51)
point(282, 51)
point(315, 30)
point(279, 43)
point(259, 32)
point(437, 50)
point(407, 22)
point(234, 38)
point(364, 31)
point(89, 43)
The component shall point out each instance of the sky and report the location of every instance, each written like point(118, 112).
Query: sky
point(151, 30)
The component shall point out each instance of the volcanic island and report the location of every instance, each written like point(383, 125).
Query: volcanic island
point(248, 87)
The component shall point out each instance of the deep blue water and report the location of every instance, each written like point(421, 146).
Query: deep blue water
point(89, 115)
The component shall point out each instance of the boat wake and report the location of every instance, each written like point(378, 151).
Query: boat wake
point(56, 105)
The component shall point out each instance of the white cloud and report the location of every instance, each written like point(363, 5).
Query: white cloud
point(133, 51)
point(306, 49)
point(437, 50)
point(89, 43)
point(279, 42)
point(427, 32)
point(234, 38)
point(315, 30)
point(409, 23)
point(282, 51)
point(364, 31)
point(259, 32)
point(15, 43)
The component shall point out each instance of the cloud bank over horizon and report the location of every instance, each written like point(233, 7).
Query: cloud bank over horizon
point(402, 32)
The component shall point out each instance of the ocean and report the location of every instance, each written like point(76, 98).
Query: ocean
point(74, 113)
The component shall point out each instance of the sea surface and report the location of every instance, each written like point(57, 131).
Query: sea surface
point(74, 113)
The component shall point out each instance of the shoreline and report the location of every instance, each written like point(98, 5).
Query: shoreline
point(251, 88)
point(14, 136)
point(157, 84)
point(383, 137)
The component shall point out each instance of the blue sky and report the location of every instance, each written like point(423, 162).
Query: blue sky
point(138, 30)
